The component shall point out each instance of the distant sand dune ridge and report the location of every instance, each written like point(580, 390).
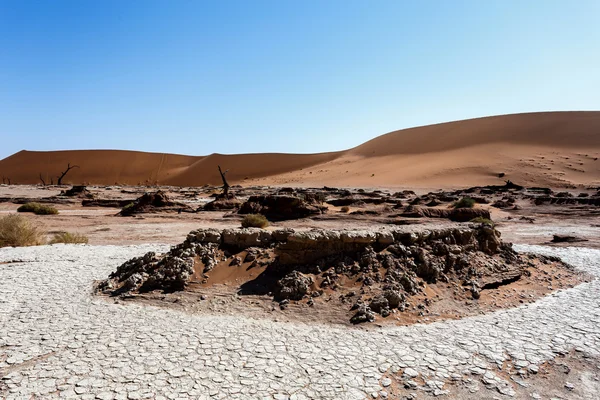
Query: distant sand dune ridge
point(554, 149)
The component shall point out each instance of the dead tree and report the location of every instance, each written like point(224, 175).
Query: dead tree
point(42, 179)
point(62, 175)
point(225, 184)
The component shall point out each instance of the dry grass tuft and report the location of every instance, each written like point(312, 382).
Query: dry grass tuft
point(17, 231)
point(255, 221)
point(465, 202)
point(38, 209)
point(68, 237)
point(482, 220)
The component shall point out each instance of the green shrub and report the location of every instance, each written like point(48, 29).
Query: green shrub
point(345, 209)
point(255, 221)
point(68, 237)
point(38, 209)
point(465, 202)
point(482, 220)
point(17, 231)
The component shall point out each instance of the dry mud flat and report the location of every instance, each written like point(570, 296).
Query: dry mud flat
point(59, 340)
point(523, 215)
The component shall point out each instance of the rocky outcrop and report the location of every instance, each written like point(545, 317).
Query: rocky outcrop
point(154, 202)
point(293, 286)
point(389, 265)
point(78, 191)
point(453, 214)
point(566, 239)
point(220, 204)
point(282, 207)
point(361, 200)
point(114, 203)
point(502, 204)
point(567, 200)
point(149, 272)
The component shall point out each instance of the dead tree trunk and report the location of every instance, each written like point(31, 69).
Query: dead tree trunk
point(42, 179)
point(225, 184)
point(62, 175)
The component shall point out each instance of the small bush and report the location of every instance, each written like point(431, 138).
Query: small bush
point(465, 202)
point(255, 221)
point(28, 207)
point(482, 220)
point(38, 209)
point(46, 210)
point(68, 237)
point(17, 231)
point(345, 209)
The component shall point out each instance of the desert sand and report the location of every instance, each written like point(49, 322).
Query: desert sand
point(556, 149)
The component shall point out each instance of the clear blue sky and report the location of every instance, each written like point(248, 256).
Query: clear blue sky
point(198, 77)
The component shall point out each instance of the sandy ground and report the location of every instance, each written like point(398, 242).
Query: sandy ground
point(558, 149)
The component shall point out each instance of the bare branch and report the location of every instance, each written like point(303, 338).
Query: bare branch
point(62, 175)
point(225, 184)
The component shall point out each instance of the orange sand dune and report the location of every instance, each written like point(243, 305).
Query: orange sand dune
point(95, 166)
point(552, 149)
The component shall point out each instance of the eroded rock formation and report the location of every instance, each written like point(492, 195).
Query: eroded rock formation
point(453, 214)
point(283, 207)
point(376, 271)
point(154, 202)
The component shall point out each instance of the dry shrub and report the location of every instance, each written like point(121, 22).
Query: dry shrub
point(68, 237)
point(482, 220)
point(465, 202)
point(17, 231)
point(128, 209)
point(345, 209)
point(255, 221)
point(38, 209)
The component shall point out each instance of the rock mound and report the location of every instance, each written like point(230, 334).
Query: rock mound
point(283, 207)
point(149, 272)
point(375, 272)
point(154, 202)
point(222, 203)
point(78, 191)
point(114, 203)
point(453, 214)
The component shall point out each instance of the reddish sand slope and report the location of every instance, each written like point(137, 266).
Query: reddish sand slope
point(552, 149)
point(136, 168)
